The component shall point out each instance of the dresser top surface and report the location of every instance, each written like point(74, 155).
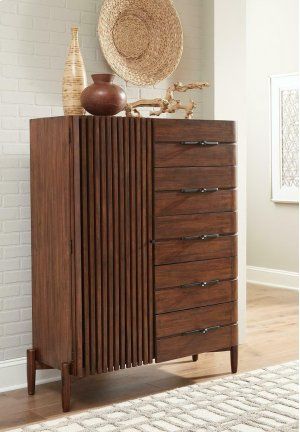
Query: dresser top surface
point(164, 120)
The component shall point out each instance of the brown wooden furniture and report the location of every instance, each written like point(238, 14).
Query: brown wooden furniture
point(133, 243)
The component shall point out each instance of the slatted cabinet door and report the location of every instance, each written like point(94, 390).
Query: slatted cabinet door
point(113, 165)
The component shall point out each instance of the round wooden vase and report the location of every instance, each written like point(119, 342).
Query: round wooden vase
point(74, 79)
point(103, 98)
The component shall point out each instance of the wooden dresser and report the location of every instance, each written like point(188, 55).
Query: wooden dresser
point(133, 243)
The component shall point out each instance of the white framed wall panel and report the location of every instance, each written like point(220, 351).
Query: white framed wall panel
point(285, 137)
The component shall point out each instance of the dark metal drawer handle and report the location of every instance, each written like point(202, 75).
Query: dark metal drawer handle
point(202, 190)
point(201, 237)
point(201, 284)
point(202, 331)
point(200, 143)
point(190, 238)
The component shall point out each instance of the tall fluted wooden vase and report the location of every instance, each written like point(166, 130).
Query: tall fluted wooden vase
point(74, 79)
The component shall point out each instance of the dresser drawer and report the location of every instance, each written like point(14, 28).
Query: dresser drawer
point(192, 249)
point(178, 155)
point(167, 227)
point(194, 177)
point(176, 203)
point(175, 323)
point(194, 130)
point(209, 293)
point(174, 275)
point(195, 343)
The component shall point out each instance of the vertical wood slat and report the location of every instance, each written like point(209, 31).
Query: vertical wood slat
point(132, 147)
point(104, 262)
point(85, 254)
point(110, 245)
point(98, 242)
point(76, 245)
point(116, 243)
point(145, 240)
point(116, 195)
point(76, 350)
point(128, 324)
point(139, 252)
point(150, 236)
point(122, 230)
point(91, 240)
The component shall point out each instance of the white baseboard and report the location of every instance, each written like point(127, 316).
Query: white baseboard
point(273, 278)
point(13, 375)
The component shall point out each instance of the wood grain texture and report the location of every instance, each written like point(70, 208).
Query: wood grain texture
point(133, 241)
point(179, 298)
point(66, 386)
point(177, 203)
point(175, 251)
point(122, 256)
point(116, 187)
point(169, 130)
point(116, 191)
point(91, 242)
point(147, 313)
point(31, 371)
point(77, 271)
point(234, 358)
point(51, 239)
point(196, 343)
point(116, 242)
point(97, 245)
point(103, 333)
point(194, 177)
point(179, 155)
point(109, 244)
point(128, 267)
point(139, 251)
point(173, 275)
point(168, 227)
point(174, 323)
point(150, 236)
point(85, 245)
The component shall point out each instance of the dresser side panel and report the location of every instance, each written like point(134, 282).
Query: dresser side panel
point(51, 251)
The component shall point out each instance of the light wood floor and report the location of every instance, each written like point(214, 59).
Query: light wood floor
point(272, 338)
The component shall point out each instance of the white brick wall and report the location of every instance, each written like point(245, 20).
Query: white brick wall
point(34, 36)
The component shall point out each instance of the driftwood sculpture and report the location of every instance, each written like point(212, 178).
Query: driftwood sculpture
point(168, 104)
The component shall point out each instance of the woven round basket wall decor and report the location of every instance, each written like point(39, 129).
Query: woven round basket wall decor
point(142, 40)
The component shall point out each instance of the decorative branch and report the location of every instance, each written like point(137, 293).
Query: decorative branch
point(168, 104)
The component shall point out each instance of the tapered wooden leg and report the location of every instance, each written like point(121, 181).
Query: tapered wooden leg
point(195, 357)
point(234, 359)
point(65, 387)
point(31, 371)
